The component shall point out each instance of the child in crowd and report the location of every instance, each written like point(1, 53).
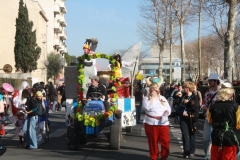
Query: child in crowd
point(19, 128)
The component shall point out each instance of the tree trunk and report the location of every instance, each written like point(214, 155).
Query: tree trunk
point(229, 41)
point(199, 42)
point(161, 49)
point(183, 73)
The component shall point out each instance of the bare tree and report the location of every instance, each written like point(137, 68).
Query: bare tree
point(211, 62)
point(155, 25)
point(225, 28)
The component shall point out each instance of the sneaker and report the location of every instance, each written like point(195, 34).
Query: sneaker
point(26, 147)
point(185, 156)
point(2, 150)
point(191, 155)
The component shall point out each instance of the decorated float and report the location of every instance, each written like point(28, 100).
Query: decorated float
point(89, 118)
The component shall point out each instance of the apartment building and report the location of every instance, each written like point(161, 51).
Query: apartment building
point(49, 23)
point(56, 33)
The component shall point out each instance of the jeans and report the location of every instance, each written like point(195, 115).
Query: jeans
point(207, 139)
point(53, 106)
point(29, 130)
point(138, 111)
point(188, 138)
point(59, 106)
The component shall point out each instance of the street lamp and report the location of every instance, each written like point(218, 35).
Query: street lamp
point(46, 63)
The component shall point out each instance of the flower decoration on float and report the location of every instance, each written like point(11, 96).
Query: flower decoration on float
point(94, 120)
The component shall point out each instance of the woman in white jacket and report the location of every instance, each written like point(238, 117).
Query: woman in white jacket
point(156, 122)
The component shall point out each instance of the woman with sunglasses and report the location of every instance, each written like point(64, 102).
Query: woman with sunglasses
point(156, 122)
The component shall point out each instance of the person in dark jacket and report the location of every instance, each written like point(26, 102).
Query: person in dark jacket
point(177, 96)
point(138, 94)
point(62, 92)
point(97, 87)
point(29, 127)
point(188, 119)
point(223, 116)
point(53, 96)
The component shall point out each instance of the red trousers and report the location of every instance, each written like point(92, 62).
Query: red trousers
point(226, 153)
point(157, 134)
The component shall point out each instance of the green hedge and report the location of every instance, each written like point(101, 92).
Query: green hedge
point(237, 92)
point(15, 82)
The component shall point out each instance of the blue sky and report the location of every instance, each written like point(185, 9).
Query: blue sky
point(112, 22)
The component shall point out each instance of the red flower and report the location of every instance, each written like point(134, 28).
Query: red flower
point(115, 84)
point(111, 95)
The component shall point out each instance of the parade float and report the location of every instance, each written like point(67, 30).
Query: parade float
point(89, 118)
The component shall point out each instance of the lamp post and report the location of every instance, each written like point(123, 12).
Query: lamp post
point(46, 63)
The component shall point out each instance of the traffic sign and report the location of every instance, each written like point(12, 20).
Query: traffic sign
point(151, 72)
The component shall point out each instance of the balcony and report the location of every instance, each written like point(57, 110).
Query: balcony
point(63, 7)
point(57, 9)
point(63, 36)
point(57, 26)
point(57, 43)
point(62, 21)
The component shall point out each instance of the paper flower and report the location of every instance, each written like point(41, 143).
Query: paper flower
point(80, 117)
point(113, 88)
point(78, 109)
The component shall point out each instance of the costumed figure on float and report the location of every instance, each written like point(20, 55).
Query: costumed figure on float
point(90, 68)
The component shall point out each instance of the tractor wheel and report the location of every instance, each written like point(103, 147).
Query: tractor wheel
point(115, 134)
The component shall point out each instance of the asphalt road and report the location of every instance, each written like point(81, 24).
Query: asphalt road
point(134, 145)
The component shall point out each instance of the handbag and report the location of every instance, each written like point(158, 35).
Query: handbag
point(181, 108)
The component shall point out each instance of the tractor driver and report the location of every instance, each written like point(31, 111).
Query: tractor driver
point(97, 87)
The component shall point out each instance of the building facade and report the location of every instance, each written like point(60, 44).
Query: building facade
point(49, 23)
point(150, 66)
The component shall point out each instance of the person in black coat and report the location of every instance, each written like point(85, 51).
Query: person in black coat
point(223, 116)
point(62, 92)
point(53, 96)
point(188, 119)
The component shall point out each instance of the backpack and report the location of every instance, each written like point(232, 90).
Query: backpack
point(41, 110)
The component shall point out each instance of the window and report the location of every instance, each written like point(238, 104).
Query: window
point(146, 71)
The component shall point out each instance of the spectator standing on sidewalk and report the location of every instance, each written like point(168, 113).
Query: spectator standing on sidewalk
point(188, 119)
point(19, 128)
point(138, 100)
point(198, 94)
point(29, 127)
point(52, 96)
point(208, 100)
point(224, 116)
point(156, 122)
point(177, 96)
point(62, 92)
